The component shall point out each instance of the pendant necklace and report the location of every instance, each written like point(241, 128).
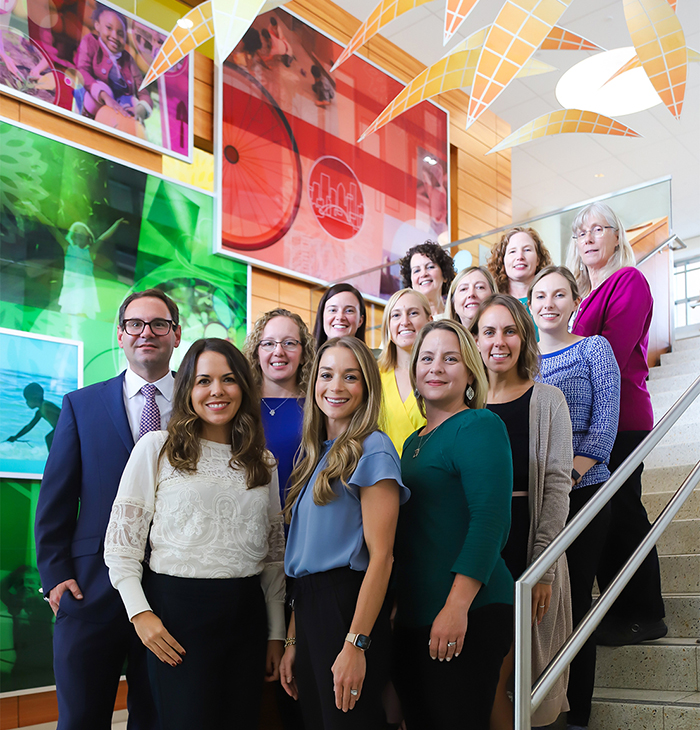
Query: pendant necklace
point(274, 410)
point(421, 442)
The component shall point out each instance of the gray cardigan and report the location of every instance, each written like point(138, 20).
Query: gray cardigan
point(551, 462)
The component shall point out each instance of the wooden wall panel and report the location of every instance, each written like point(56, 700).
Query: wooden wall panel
point(65, 128)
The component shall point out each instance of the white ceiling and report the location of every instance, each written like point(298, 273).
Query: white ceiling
point(555, 172)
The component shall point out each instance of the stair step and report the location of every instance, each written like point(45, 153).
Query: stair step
point(689, 343)
point(680, 573)
point(644, 710)
point(672, 358)
point(662, 402)
point(664, 478)
point(666, 664)
point(683, 433)
point(689, 366)
point(674, 382)
point(682, 616)
point(681, 537)
point(656, 501)
point(673, 454)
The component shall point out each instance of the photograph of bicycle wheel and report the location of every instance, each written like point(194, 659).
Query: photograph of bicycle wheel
point(298, 194)
point(261, 169)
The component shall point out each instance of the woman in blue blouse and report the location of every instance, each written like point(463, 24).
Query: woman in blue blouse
point(280, 349)
point(585, 370)
point(343, 505)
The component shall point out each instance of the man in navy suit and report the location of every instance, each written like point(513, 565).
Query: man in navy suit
point(95, 434)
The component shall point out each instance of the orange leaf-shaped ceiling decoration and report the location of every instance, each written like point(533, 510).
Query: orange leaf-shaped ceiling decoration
point(517, 32)
point(456, 12)
point(660, 44)
point(564, 121)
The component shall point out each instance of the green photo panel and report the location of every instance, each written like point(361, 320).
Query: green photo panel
point(78, 233)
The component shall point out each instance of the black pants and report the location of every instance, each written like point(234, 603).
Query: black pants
point(458, 693)
point(222, 625)
point(88, 660)
point(641, 599)
point(324, 605)
point(583, 557)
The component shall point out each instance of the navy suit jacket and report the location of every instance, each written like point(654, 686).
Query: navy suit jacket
point(90, 449)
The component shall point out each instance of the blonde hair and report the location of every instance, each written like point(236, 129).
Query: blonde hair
point(308, 346)
point(345, 453)
point(450, 312)
point(529, 359)
point(622, 256)
point(387, 360)
point(470, 357)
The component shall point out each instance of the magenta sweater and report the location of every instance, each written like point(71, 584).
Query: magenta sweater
point(620, 310)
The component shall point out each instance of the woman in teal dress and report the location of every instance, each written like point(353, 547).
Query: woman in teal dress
point(454, 619)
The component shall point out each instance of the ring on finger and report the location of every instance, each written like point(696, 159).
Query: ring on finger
point(543, 606)
point(451, 643)
point(354, 692)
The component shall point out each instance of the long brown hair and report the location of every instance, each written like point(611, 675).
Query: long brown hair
point(346, 450)
point(182, 446)
point(528, 364)
point(496, 263)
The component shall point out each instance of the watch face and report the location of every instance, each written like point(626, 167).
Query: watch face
point(362, 642)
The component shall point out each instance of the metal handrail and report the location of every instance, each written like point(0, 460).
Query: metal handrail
point(527, 699)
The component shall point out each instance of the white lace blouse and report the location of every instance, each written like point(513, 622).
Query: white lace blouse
point(202, 525)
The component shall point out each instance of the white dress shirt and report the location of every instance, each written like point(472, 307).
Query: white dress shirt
point(134, 399)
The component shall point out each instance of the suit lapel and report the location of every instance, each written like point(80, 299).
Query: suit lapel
point(113, 397)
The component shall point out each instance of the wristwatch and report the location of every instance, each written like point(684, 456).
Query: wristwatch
point(575, 476)
point(361, 641)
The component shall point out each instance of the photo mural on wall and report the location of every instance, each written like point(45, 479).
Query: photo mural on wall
point(87, 59)
point(78, 233)
point(298, 194)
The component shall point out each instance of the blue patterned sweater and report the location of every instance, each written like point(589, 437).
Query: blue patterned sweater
point(588, 375)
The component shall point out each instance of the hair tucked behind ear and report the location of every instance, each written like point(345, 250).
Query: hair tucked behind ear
point(346, 450)
point(182, 446)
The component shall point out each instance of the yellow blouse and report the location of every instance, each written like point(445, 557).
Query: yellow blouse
point(398, 419)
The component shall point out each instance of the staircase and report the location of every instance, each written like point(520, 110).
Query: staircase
point(656, 685)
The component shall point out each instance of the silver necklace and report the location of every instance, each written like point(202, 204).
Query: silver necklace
point(420, 441)
point(274, 410)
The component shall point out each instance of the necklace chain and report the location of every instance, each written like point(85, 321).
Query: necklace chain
point(421, 442)
point(274, 410)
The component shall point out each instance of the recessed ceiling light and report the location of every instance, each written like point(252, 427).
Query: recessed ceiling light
point(185, 23)
point(587, 85)
point(599, 174)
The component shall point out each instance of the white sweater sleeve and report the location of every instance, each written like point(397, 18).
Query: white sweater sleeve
point(130, 522)
point(272, 577)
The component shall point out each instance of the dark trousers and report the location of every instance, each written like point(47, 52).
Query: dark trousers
point(641, 599)
point(222, 625)
point(583, 557)
point(458, 693)
point(88, 661)
point(288, 708)
point(324, 605)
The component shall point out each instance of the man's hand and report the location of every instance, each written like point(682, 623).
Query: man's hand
point(57, 591)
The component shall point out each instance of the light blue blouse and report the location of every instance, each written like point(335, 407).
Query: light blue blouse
point(326, 537)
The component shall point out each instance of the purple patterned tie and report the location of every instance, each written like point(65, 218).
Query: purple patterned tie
point(150, 415)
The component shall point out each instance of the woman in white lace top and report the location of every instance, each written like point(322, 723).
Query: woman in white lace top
point(204, 497)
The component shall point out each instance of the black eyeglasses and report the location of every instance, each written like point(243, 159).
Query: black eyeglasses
point(288, 344)
point(159, 327)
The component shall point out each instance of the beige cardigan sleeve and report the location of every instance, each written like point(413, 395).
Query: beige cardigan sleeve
point(551, 462)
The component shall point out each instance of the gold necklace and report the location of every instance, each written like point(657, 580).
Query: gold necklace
point(420, 440)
